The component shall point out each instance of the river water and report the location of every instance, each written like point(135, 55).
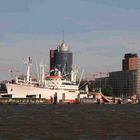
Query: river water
point(70, 122)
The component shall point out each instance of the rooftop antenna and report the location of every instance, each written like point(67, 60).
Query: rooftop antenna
point(63, 36)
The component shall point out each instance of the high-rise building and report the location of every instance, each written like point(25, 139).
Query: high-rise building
point(61, 58)
point(138, 77)
point(129, 62)
point(52, 59)
point(123, 83)
point(126, 82)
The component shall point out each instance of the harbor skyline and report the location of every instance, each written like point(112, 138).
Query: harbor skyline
point(98, 32)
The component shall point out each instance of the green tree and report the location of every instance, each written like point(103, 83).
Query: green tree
point(3, 87)
point(107, 91)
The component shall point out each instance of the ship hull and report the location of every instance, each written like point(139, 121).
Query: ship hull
point(22, 91)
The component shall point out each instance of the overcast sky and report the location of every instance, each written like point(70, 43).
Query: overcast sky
point(98, 32)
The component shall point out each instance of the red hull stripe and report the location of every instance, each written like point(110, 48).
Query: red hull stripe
point(70, 101)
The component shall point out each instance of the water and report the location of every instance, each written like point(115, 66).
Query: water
point(70, 122)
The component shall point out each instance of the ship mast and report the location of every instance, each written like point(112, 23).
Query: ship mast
point(42, 74)
point(29, 63)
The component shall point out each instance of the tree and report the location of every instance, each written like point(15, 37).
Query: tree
point(107, 91)
point(3, 87)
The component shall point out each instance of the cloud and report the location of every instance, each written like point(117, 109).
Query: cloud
point(109, 20)
point(9, 6)
point(131, 4)
point(104, 50)
point(92, 51)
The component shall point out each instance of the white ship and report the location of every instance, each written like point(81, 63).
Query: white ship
point(48, 87)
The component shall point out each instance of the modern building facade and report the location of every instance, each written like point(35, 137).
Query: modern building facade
point(61, 58)
point(101, 82)
point(138, 77)
point(125, 83)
